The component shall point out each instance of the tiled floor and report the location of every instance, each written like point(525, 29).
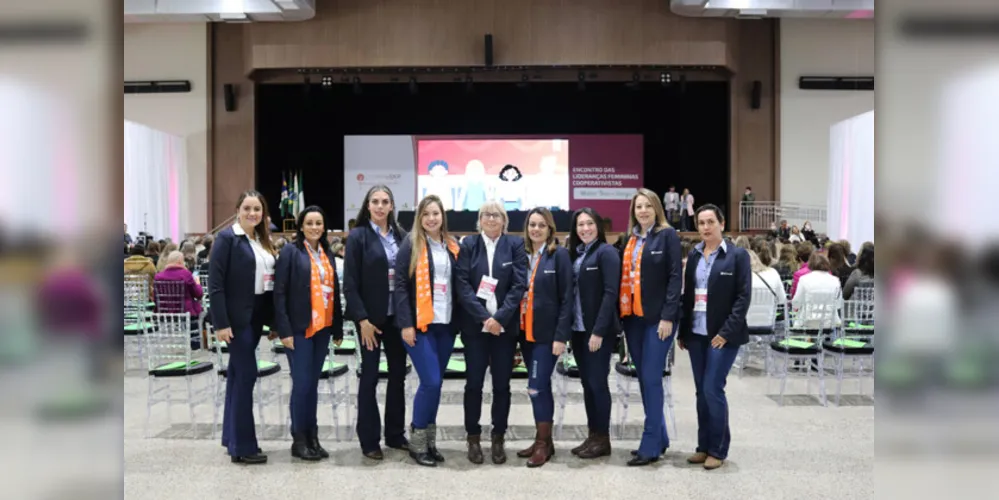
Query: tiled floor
point(801, 450)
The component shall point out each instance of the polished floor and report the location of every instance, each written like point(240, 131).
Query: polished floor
point(800, 450)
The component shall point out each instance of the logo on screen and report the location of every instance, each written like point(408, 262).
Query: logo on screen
point(360, 177)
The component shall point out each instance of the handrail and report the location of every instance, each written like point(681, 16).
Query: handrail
point(225, 223)
point(759, 215)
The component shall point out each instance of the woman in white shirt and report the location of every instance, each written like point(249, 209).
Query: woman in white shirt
point(241, 284)
point(813, 288)
point(796, 236)
point(764, 278)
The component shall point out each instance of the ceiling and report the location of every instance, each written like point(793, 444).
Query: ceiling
point(755, 9)
point(234, 11)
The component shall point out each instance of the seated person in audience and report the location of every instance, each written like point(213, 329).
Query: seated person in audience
point(153, 252)
point(788, 263)
point(138, 264)
point(784, 232)
point(796, 236)
point(764, 278)
point(863, 275)
point(818, 279)
point(837, 261)
point(851, 258)
point(167, 248)
point(190, 251)
point(176, 270)
point(804, 251)
point(809, 234)
point(205, 254)
point(279, 243)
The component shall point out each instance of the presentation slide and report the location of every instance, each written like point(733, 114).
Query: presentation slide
point(562, 173)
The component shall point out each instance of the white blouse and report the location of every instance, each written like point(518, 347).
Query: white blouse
point(264, 270)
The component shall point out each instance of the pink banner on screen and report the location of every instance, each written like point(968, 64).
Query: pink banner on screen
point(563, 173)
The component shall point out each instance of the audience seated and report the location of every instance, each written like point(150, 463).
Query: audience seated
point(190, 252)
point(138, 264)
point(837, 260)
point(153, 252)
point(167, 248)
point(818, 279)
point(804, 252)
point(764, 278)
point(863, 275)
point(175, 270)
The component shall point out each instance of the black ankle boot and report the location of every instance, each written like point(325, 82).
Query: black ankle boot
point(314, 444)
point(300, 448)
point(432, 444)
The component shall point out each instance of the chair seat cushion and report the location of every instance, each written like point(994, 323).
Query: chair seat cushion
point(856, 346)
point(346, 348)
point(795, 347)
point(761, 330)
point(459, 346)
point(264, 369)
point(181, 369)
point(383, 369)
point(520, 371)
point(135, 328)
point(333, 369)
point(629, 370)
point(567, 368)
point(456, 368)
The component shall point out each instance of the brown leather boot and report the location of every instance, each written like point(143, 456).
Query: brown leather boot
point(601, 447)
point(544, 448)
point(474, 450)
point(527, 452)
point(498, 453)
point(586, 444)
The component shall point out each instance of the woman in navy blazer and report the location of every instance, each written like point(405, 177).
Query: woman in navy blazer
point(595, 325)
point(429, 340)
point(492, 278)
point(368, 280)
point(294, 310)
point(241, 283)
point(716, 297)
point(650, 307)
point(546, 322)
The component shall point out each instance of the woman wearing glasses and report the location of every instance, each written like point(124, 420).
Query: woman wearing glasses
point(492, 278)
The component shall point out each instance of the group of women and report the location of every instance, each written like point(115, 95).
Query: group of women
point(414, 293)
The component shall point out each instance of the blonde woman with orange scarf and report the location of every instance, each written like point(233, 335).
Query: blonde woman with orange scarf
point(650, 307)
point(307, 313)
point(425, 312)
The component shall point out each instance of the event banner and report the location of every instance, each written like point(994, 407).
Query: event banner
point(561, 173)
point(372, 160)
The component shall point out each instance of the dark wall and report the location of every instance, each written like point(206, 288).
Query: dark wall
point(686, 133)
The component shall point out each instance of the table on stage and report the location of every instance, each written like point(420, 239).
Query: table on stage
point(465, 221)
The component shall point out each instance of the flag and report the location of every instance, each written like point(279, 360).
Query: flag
point(284, 196)
point(294, 195)
point(301, 194)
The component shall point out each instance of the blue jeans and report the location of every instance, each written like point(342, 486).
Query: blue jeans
point(430, 355)
point(649, 355)
point(306, 364)
point(594, 367)
point(711, 367)
point(540, 364)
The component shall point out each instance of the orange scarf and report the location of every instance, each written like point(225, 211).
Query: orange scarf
point(527, 305)
point(322, 312)
point(424, 295)
point(631, 289)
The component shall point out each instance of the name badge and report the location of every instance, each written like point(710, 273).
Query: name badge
point(391, 278)
point(268, 282)
point(700, 300)
point(487, 288)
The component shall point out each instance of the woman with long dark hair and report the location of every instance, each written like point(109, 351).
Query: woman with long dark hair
point(427, 315)
point(597, 271)
point(241, 284)
point(650, 308)
point(307, 313)
point(545, 324)
point(368, 282)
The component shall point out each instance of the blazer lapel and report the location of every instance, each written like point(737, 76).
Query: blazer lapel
point(716, 267)
point(379, 248)
point(498, 255)
point(481, 258)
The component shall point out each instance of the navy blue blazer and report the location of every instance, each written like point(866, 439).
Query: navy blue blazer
point(509, 268)
point(293, 289)
point(404, 296)
point(599, 282)
point(661, 275)
point(730, 288)
point(231, 281)
point(365, 276)
point(553, 297)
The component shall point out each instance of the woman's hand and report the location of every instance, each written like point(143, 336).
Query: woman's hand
point(492, 326)
point(224, 335)
point(558, 348)
point(288, 343)
point(665, 329)
point(368, 332)
point(718, 342)
point(337, 342)
point(409, 336)
point(595, 343)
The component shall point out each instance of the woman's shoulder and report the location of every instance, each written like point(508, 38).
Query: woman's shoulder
point(357, 234)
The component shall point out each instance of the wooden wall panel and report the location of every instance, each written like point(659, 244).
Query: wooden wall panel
point(352, 33)
point(231, 139)
point(754, 130)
